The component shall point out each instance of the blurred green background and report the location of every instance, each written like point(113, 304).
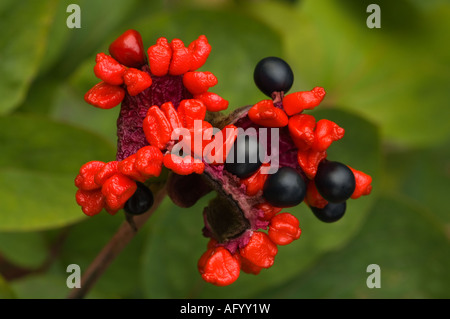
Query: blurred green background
point(388, 87)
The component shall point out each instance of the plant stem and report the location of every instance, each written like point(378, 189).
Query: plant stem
point(112, 249)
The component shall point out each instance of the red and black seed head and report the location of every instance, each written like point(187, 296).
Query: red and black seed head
point(259, 159)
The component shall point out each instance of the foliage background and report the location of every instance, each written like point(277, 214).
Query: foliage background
point(388, 87)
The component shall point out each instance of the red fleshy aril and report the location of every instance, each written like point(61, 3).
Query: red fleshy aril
point(104, 95)
point(159, 57)
point(128, 49)
point(200, 50)
point(181, 58)
point(157, 128)
point(85, 179)
point(313, 197)
point(301, 128)
point(268, 210)
point(136, 81)
point(218, 155)
point(309, 160)
point(284, 228)
point(363, 184)
point(108, 69)
point(260, 250)
point(171, 115)
point(255, 183)
point(219, 267)
point(264, 113)
point(199, 82)
point(149, 161)
point(191, 110)
point(117, 190)
point(92, 202)
point(108, 170)
point(294, 103)
point(212, 101)
point(325, 133)
point(183, 165)
point(128, 168)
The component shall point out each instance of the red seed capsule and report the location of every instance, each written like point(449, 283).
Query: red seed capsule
point(128, 49)
point(91, 202)
point(104, 95)
point(108, 69)
point(313, 197)
point(306, 100)
point(363, 184)
point(199, 82)
point(128, 168)
point(255, 183)
point(171, 115)
point(219, 155)
point(157, 128)
point(326, 132)
point(117, 190)
point(136, 81)
point(191, 110)
point(108, 170)
point(212, 101)
point(284, 229)
point(248, 267)
point(219, 267)
point(159, 56)
point(260, 250)
point(269, 210)
point(309, 161)
point(181, 58)
point(266, 114)
point(149, 161)
point(301, 129)
point(85, 180)
point(183, 165)
point(200, 50)
point(198, 134)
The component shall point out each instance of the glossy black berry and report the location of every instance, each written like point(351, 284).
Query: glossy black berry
point(243, 159)
point(335, 181)
point(285, 188)
point(140, 202)
point(273, 74)
point(331, 212)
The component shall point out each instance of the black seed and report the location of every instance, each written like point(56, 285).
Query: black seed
point(285, 188)
point(140, 202)
point(273, 74)
point(335, 181)
point(243, 159)
point(331, 212)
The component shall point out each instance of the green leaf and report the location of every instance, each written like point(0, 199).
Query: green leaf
point(175, 242)
point(5, 290)
point(69, 106)
point(422, 176)
point(27, 250)
point(86, 239)
point(40, 159)
point(25, 28)
point(411, 252)
point(173, 246)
